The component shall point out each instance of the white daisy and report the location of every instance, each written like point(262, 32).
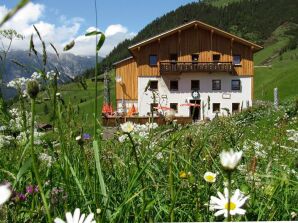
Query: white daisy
point(210, 177)
point(221, 203)
point(230, 159)
point(76, 218)
point(5, 193)
point(127, 127)
point(122, 138)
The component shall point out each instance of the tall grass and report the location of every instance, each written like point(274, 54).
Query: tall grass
point(149, 174)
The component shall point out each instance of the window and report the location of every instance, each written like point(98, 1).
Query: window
point(153, 107)
point(236, 59)
point(153, 85)
point(216, 85)
point(195, 57)
point(216, 107)
point(174, 85)
point(173, 58)
point(153, 60)
point(235, 107)
point(195, 85)
point(174, 106)
point(236, 85)
point(216, 57)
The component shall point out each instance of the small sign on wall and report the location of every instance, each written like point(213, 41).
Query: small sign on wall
point(195, 94)
point(226, 96)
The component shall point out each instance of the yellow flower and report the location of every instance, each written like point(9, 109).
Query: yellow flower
point(210, 177)
point(182, 174)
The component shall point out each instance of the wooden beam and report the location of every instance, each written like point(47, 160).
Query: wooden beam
point(211, 43)
point(179, 42)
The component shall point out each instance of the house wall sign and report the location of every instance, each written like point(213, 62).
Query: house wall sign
point(226, 96)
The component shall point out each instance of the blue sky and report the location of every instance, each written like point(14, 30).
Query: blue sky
point(68, 19)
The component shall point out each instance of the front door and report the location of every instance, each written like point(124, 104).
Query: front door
point(195, 110)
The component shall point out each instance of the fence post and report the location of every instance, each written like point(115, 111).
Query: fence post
point(276, 98)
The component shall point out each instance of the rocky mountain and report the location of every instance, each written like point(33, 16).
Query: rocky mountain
point(69, 65)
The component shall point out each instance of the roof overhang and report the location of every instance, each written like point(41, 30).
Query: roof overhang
point(255, 47)
point(121, 61)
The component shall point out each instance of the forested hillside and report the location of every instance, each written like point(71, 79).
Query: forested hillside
point(254, 20)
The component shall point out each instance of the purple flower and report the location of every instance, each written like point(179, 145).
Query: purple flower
point(36, 189)
point(86, 136)
point(21, 197)
point(30, 189)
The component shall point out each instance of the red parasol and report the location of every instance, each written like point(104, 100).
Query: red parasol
point(132, 110)
point(107, 109)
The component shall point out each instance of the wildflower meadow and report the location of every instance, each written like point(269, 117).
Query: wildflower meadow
point(241, 167)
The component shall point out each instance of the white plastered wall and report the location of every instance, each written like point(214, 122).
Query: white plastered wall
point(225, 96)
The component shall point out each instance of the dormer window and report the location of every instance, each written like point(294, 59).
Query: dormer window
point(153, 60)
point(216, 57)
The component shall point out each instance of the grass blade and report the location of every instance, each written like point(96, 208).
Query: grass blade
point(100, 175)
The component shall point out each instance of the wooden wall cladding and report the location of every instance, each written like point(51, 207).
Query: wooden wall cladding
point(194, 40)
point(127, 70)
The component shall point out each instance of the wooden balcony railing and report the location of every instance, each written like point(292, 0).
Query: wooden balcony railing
point(173, 67)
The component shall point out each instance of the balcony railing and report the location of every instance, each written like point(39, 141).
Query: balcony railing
point(173, 67)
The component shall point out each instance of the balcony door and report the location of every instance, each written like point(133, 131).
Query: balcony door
point(195, 111)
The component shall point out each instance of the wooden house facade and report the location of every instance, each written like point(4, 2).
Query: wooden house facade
point(195, 69)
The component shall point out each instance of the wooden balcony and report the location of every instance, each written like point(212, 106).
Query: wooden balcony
point(174, 67)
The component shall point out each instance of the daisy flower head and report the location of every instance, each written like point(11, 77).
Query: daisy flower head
point(221, 203)
point(127, 127)
point(5, 193)
point(230, 159)
point(76, 218)
point(210, 177)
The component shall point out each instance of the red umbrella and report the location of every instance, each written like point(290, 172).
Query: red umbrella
point(132, 110)
point(190, 105)
point(105, 108)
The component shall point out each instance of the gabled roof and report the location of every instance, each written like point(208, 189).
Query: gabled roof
point(120, 61)
point(202, 25)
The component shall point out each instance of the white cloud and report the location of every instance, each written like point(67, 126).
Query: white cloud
point(60, 35)
point(114, 35)
point(114, 29)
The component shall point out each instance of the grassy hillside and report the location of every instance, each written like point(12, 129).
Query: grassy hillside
point(82, 101)
point(160, 170)
point(276, 66)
